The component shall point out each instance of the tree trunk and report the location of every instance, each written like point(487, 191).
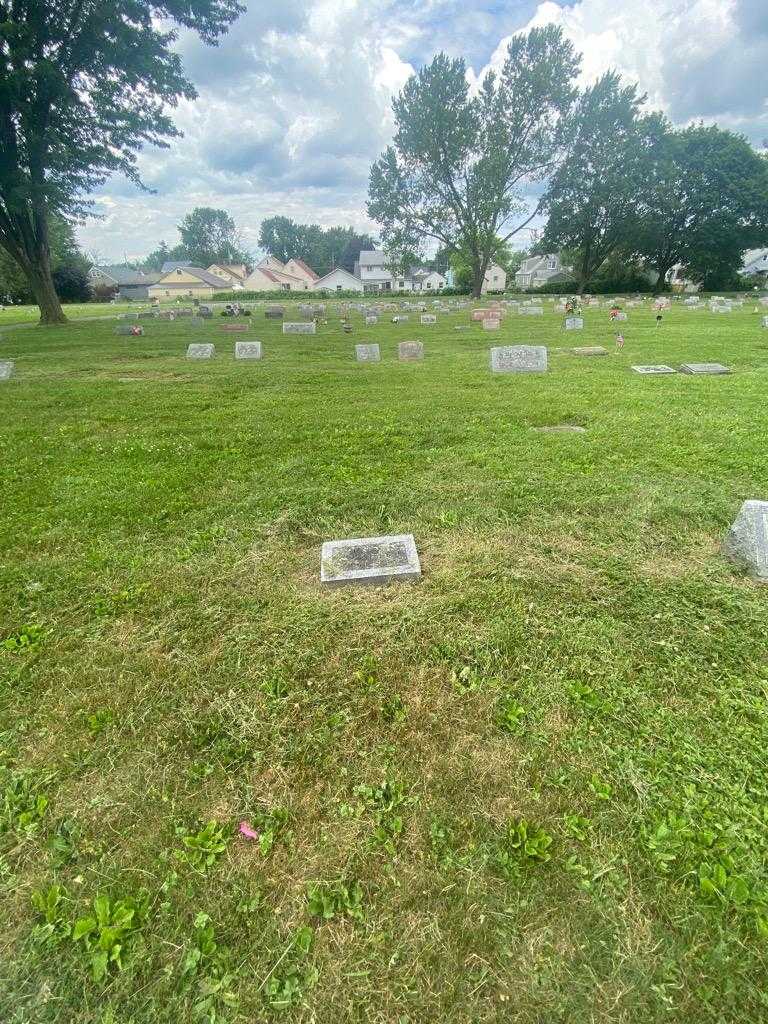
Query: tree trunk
point(660, 285)
point(477, 278)
point(41, 282)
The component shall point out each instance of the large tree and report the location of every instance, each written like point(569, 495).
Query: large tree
point(210, 236)
point(462, 164)
point(704, 201)
point(84, 84)
point(593, 197)
point(321, 248)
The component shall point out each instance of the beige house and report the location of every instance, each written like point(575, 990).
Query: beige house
point(271, 275)
point(339, 280)
point(235, 273)
point(187, 283)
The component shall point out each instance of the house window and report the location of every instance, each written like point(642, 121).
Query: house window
point(401, 284)
point(338, 287)
point(179, 273)
point(552, 263)
point(429, 284)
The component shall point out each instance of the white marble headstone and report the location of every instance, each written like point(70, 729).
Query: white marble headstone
point(199, 351)
point(369, 560)
point(654, 368)
point(7, 367)
point(519, 359)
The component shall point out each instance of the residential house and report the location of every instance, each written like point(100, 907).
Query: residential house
point(371, 269)
point(338, 280)
point(755, 264)
point(298, 268)
point(271, 275)
point(539, 270)
point(130, 284)
point(170, 265)
point(495, 279)
point(187, 282)
point(235, 273)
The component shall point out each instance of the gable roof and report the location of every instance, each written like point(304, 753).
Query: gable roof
point(337, 270)
point(124, 276)
point(170, 265)
point(200, 274)
point(303, 266)
point(372, 258)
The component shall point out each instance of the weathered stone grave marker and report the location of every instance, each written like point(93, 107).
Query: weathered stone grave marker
point(747, 540)
point(300, 328)
point(274, 312)
point(704, 368)
point(574, 323)
point(491, 325)
point(201, 351)
point(371, 320)
point(590, 350)
point(519, 359)
point(7, 367)
point(428, 318)
point(371, 560)
point(236, 328)
point(247, 350)
point(367, 353)
point(532, 310)
point(654, 369)
point(408, 351)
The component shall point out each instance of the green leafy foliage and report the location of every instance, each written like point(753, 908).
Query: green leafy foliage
point(510, 715)
point(51, 904)
point(287, 984)
point(520, 845)
point(272, 826)
point(21, 807)
point(203, 848)
point(104, 933)
point(27, 638)
point(327, 900)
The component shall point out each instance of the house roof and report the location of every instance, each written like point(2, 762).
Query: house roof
point(372, 258)
point(235, 269)
point(337, 270)
point(124, 276)
point(170, 265)
point(754, 260)
point(306, 269)
point(200, 274)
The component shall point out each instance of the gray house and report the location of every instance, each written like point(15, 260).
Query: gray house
point(755, 264)
point(539, 270)
point(130, 284)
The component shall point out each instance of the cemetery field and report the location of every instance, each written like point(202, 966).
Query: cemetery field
point(529, 787)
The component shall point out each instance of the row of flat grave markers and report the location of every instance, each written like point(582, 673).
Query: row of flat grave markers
point(243, 350)
point(407, 352)
point(378, 560)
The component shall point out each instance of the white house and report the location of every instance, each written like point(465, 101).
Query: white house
point(371, 269)
point(338, 280)
point(755, 263)
point(495, 279)
point(539, 270)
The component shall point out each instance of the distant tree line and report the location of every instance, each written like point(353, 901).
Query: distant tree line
point(615, 184)
point(322, 249)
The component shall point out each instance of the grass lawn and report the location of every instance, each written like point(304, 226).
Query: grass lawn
point(531, 787)
point(12, 315)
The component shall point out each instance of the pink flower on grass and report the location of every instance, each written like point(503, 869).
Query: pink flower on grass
point(247, 831)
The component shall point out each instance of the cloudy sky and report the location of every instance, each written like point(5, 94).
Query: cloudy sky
point(294, 104)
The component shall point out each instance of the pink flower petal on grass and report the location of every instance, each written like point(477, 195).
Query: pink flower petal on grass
point(247, 831)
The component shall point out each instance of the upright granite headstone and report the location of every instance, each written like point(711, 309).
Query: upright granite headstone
point(654, 369)
point(371, 320)
point(428, 318)
point(408, 351)
point(706, 368)
point(367, 353)
point(491, 324)
point(274, 312)
point(300, 328)
point(7, 368)
point(200, 351)
point(747, 540)
point(519, 359)
point(574, 323)
point(620, 317)
point(532, 310)
point(247, 350)
point(369, 560)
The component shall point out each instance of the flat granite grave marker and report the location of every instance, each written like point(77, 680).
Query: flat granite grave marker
point(747, 540)
point(491, 325)
point(201, 351)
point(274, 312)
point(427, 318)
point(619, 318)
point(399, 319)
point(128, 329)
point(371, 320)
point(590, 350)
point(519, 359)
point(300, 328)
point(196, 321)
point(706, 368)
point(7, 367)
point(561, 428)
point(234, 327)
point(408, 351)
point(247, 350)
point(654, 368)
point(574, 323)
point(532, 310)
point(367, 353)
point(369, 560)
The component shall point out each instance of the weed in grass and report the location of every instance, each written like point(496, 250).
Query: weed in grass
point(275, 689)
point(586, 697)
point(105, 933)
point(466, 679)
point(510, 715)
point(576, 826)
point(327, 900)
point(271, 826)
point(521, 844)
point(387, 802)
point(393, 710)
point(602, 790)
point(28, 638)
point(292, 976)
point(205, 967)
point(99, 720)
point(21, 807)
point(51, 904)
point(367, 676)
point(203, 848)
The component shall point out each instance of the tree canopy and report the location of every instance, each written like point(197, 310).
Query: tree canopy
point(83, 86)
point(461, 165)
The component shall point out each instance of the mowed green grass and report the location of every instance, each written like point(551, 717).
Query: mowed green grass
point(578, 657)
